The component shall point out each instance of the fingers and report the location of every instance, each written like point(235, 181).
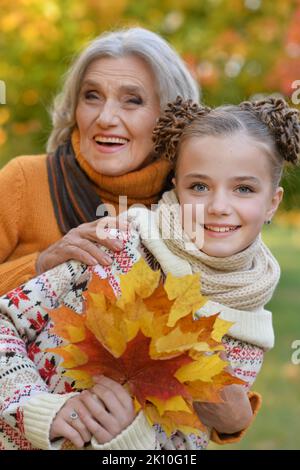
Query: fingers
point(78, 423)
point(82, 244)
point(102, 424)
point(68, 432)
point(72, 428)
point(88, 253)
point(121, 223)
point(101, 232)
point(119, 391)
point(110, 409)
point(110, 232)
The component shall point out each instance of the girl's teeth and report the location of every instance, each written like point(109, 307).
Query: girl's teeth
point(220, 229)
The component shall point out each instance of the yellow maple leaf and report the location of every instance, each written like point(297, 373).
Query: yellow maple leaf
point(176, 403)
point(204, 369)
point(106, 323)
point(187, 295)
point(172, 421)
point(140, 281)
point(176, 341)
point(220, 329)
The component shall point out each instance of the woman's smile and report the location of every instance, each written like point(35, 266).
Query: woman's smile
point(110, 143)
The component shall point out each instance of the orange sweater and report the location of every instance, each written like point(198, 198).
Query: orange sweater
point(27, 220)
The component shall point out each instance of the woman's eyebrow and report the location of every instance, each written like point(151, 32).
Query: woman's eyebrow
point(131, 89)
point(123, 88)
point(90, 83)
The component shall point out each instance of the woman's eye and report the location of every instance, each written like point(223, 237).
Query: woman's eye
point(90, 95)
point(244, 190)
point(134, 100)
point(199, 187)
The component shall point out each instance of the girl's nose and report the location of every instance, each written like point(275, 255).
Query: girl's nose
point(219, 204)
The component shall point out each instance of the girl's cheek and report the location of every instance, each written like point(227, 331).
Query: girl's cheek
point(253, 211)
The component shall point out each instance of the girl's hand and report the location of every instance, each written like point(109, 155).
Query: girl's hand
point(64, 426)
point(80, 244)
point(110, 409)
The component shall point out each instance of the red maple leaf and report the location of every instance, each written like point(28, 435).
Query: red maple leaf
point(144, 376)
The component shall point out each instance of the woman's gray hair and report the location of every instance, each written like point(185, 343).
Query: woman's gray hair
point(172, 76)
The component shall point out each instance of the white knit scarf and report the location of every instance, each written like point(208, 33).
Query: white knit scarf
point(244, 281)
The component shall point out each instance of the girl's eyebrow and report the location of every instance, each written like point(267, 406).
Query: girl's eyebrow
point(197, 175)
point(240, 179)
point(253, 179)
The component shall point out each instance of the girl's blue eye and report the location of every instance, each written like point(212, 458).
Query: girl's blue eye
point(199, 187)
point(244, 190)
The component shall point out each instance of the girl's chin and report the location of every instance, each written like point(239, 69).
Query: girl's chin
point(220, 252)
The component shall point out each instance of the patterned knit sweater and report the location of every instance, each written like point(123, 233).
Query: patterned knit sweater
point(32, 385)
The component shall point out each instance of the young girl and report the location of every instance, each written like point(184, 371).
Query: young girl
point(228, 161)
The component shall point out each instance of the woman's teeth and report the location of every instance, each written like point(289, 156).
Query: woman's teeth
point(110, 140)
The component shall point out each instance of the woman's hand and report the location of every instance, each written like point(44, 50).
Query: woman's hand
point(80, 244)
point(64, 426)
point(110, 408)
point(103, 412)
point(229, 417)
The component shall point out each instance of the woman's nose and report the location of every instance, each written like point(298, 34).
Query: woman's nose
point(219, 204)
point(108, 115)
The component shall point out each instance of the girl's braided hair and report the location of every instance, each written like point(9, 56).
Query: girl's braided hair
point(283, 123)
point(270, 120)
point(171, 125)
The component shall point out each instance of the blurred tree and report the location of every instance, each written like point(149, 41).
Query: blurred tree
point(235, 48)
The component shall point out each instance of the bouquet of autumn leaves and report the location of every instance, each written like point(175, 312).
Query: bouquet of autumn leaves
point(148, 340)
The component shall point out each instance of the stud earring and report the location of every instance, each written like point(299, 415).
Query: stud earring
point(267, 222)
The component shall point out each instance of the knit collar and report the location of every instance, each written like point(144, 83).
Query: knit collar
point(142, 186)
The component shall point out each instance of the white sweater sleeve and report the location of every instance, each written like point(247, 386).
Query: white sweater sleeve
point(138, 436)
point(26, 405)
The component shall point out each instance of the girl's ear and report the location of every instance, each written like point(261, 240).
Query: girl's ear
point(174, 182)
point(276, 200)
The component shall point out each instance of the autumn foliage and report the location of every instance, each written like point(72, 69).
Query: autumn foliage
point(148, 340)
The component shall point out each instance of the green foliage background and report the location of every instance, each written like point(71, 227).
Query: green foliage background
point(236, 49)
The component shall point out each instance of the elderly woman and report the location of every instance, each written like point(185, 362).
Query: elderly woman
point(100, 148)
